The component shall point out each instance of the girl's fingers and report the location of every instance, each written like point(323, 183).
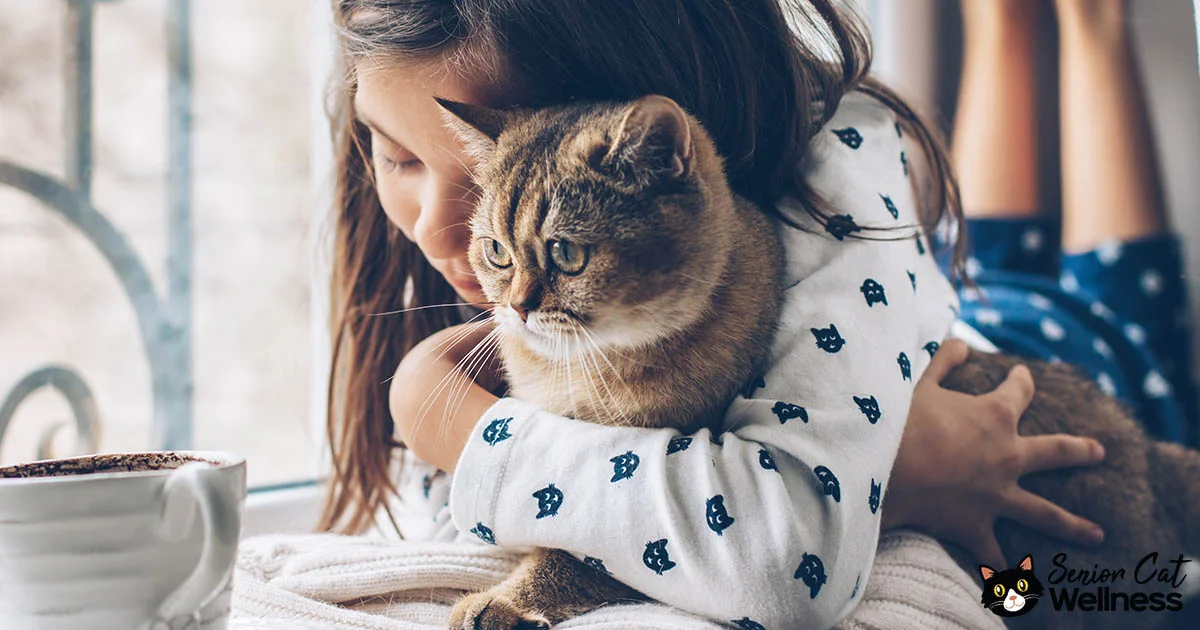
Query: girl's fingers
point(1051, 452)
point(1050, 519)
point(950, 354)
point(1015, 393)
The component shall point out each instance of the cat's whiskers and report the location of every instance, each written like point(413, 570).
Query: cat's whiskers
point(451, 227)
point(566, 358)
point(467, 168)
point(449, 378)
point(422, 308)
point(600, 351)
point(479, 361)
point(468, 328)
point(612, 398)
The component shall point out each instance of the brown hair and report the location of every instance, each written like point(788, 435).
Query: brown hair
point(760, 87)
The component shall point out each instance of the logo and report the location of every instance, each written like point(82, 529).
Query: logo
point(827, 482)
point(787, 411)
point(1152, 585)
point(869, 407)
point(718, 517)
point(840, 226)
point(1011, 593)
point(891, 207)
point(829, 339)
point(497, 431)
point(549, 500)
point(484, 533)
point(656, 557)
point(624, 465)
point(849, 136)
point(905, 367)
point(812, 572)
point(873, 292)
point(678, 444)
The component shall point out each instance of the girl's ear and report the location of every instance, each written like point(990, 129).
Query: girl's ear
point(986, 571)
point(654, 138)
point(477, 127)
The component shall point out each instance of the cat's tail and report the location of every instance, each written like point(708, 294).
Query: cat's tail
point(1176, 478)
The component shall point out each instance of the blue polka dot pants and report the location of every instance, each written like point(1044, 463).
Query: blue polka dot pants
point(1119, 313)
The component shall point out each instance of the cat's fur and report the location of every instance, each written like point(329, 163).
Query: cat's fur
point(680, 296)
point(1146, 494)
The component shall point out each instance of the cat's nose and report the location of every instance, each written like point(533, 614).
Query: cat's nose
point(520, 310)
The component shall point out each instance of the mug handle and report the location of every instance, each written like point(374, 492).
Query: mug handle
point(219, 515)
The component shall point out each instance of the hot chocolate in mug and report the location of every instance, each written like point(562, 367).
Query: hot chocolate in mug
point(135, 541)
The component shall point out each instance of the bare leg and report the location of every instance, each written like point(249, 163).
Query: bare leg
point(1111, 185)
point(995, 132)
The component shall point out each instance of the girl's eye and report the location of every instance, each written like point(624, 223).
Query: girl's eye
point(568, 257)
point(495, 253)
point(999, 591)
point(391, 165)
point(1022, 585)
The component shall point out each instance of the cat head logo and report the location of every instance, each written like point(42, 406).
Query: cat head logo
point(1011, 593)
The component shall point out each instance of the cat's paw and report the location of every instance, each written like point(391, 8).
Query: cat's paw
point(486, 611)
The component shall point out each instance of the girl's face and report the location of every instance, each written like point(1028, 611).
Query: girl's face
point(421, 172)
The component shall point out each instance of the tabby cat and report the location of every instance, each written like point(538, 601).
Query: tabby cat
point(589, 216)
point(612, 226)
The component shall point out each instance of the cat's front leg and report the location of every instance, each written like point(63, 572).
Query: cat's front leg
point(549, 586)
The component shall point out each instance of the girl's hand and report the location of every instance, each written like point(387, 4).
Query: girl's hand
point(435, 403)
point(960, 460)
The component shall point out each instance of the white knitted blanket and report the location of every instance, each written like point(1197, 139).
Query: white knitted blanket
point(323, 581)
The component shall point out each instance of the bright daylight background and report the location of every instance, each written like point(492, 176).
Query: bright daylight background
point(259, 172)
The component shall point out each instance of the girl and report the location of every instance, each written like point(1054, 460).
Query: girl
point(405, 196)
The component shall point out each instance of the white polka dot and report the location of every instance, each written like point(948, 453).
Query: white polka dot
point(1151, 282)
point(988, 317)
point(1040, 302)
point(973, 267)
point(1109, 252)
point(1135, 333)
point(1055, 359)
point(1102, 311)
point(1102, 348)
point(1155, 385)
point(1032, 239)
point(973, 294)
point(1069, 282)
point(1052, 330)
point(1106, 384)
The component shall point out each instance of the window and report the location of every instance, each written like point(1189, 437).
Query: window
point(163, 166)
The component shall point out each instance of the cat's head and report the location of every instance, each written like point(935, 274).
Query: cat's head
point(1013, 592)
point(598, 224)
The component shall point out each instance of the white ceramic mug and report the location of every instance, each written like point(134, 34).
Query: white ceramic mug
point(136, 541)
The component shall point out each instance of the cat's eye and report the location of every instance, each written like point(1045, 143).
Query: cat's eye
point(998, 590)
point(568, 257)
point(1022, 585)
point(495, 253)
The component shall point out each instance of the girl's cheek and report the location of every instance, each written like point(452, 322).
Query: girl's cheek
point(401, 207)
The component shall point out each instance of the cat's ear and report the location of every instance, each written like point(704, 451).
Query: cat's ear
point(477, 127)
point(654, 138)
point(986, 571)
point(1027, 563)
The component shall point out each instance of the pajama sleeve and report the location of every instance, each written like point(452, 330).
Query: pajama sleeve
point(774, 522)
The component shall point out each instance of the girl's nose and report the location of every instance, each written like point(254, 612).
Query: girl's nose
point(442, 230)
